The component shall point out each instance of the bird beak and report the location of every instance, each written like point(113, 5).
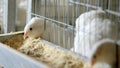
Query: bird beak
point(25, 35)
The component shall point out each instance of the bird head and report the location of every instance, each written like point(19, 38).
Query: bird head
point(34, 28)
point(28, 31)
point(104, 51)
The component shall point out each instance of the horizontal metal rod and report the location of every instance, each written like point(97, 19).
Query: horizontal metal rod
point(113, 12)
point(97, 7)
point(62, 23)
point(86, 5)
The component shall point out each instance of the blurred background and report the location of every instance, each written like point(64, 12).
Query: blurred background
point(14, 14)
point(20, 13)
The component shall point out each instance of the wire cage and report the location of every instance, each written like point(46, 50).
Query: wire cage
point(56, 12)
point(64, 13)
point(60, 18)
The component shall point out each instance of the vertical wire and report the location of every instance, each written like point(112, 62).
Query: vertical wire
point(62, 19)
point(34, 7)
point(64, 42)
point(56, 40)
point(98, 3)
point(76, 8)
point(108, 7)
point(76, 30)
point(48, 23)
point(45, 9)
point(51, 25)
point(54, 19)
point(73, 21)
point(67, 22)
point(66, 36)
point(57, 22)
point(73, 14)
point(87, 2)
point(40, 12)
point(59, 34)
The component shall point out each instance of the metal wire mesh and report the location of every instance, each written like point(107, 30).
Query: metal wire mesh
point(57, 12)
point(63, 13)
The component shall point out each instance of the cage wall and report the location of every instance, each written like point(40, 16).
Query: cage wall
point(60, 16)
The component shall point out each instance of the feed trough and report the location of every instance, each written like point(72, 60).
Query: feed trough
point(35, 53)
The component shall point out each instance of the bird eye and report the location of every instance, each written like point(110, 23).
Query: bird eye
point(30, 29)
